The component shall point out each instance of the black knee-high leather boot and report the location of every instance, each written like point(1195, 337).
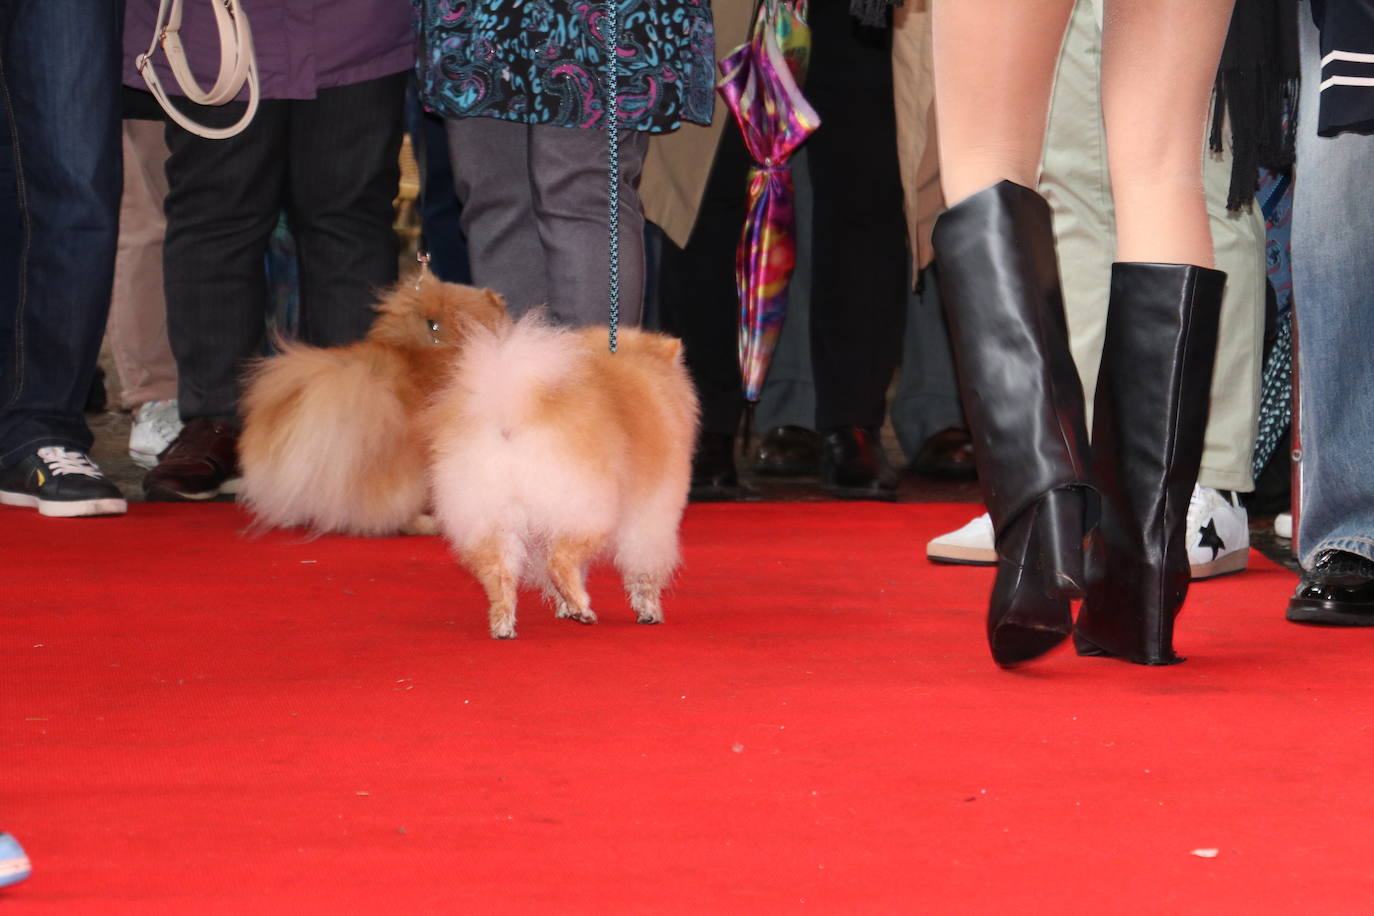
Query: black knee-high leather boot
point(999, 281)
point(1149, 417)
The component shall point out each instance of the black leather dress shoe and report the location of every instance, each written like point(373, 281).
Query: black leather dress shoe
point(788, 451)
point(854, 465)
point(714, 478)
point(948, 453)
point(1338, 591)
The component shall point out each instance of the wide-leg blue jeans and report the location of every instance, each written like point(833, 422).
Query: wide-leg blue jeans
point(60, 181)
point(1333, 297)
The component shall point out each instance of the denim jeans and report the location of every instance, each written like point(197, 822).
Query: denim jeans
point(61, 169)
point(1333, 294)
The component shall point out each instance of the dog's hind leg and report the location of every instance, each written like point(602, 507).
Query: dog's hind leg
point(497, 566)
point(644, 592)
point(567, 572)
point(646, 555)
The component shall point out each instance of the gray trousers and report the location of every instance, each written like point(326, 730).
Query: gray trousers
point(535, 212)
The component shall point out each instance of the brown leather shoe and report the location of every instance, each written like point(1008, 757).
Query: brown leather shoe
point(948, 453)
point(201, 463)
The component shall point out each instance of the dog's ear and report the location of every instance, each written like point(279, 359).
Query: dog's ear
point(660, 346)
point(496, 307)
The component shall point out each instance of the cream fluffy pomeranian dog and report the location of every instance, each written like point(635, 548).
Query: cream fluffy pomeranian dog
point(550, 451)
point(333, 438)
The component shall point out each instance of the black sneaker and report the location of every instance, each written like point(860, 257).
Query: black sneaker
point(61, 483)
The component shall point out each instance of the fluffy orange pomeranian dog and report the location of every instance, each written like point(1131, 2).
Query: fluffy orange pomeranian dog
point(333, 438)
point(550, 452)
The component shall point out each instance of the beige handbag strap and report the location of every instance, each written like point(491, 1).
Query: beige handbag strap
point(237, 65)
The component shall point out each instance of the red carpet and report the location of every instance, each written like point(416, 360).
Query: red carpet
point(193, 721)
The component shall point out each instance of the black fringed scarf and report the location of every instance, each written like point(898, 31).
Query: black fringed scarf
point(1257, 85)
point(871, 12)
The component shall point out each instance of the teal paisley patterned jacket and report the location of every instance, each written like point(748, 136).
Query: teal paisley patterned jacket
point(544, 61)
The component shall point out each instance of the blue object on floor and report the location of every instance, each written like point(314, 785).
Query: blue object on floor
point(14, 865)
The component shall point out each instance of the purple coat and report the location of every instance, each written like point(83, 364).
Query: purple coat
point(302, 45)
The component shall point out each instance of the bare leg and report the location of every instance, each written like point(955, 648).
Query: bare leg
point(497, 569)
point(999, 282)
point(1159, 60)
point(567, 571)
point(994, 69)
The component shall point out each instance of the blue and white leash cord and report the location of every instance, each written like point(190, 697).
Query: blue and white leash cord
point(613, 155)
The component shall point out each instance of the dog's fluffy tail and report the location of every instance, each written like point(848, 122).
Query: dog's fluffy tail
point(328, 442)
point(513, 450)
point(503, 373)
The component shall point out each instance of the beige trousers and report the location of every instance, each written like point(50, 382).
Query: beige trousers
point(1074, 180)
point(137, 329)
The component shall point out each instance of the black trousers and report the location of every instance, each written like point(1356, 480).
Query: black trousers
point(858, 258)
point(331, 163)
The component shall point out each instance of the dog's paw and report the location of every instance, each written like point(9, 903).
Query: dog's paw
point(421, 525)
point(503, 630)
point(653, 617)
point(568, 612)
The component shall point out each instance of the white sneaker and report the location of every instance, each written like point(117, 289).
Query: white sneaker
point(1283, 525)
point(971, 545)
point(1218, 537)
point(156, 424)
point(1218, 531)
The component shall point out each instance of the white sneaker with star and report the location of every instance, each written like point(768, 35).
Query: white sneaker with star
point(1218, 532)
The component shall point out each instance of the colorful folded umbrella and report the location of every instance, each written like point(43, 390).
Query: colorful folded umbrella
point(761, 84)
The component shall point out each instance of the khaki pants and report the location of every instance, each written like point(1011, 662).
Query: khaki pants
point(137, 330)
point(1075, 181)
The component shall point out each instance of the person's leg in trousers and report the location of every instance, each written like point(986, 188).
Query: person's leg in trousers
point(568, 177)
point(223, 202)
point(59, 97)
point(926, 400)
point(491, 175)
point(344, 159)
point(1332, 285)
point(858, 250)
point(137, 330)
point(699, 302)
